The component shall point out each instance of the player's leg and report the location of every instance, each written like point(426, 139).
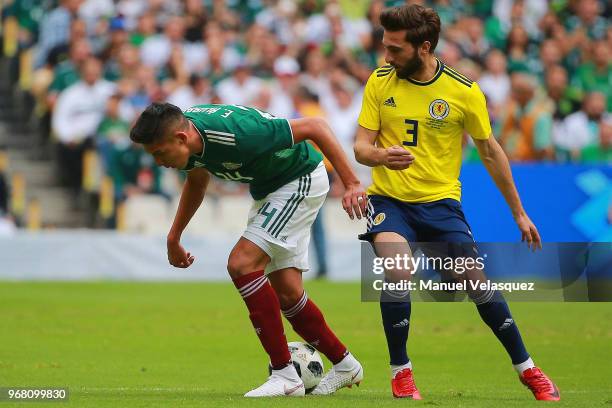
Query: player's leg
point(246, 265)
point(307, 320)
point(396, 310)
point(304, 315)
point(278, 226)
point(447, 223)
point(291, 240)
point(389, 232)
point(495, 312)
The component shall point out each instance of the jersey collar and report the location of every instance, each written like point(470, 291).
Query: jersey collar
point(439, 69)
point(201, 156)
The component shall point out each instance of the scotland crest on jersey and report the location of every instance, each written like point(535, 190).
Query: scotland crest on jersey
point(439, 109)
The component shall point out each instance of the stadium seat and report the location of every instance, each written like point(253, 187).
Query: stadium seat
point(147, 214)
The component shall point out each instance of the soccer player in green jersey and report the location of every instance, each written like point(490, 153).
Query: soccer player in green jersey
point(288, 183)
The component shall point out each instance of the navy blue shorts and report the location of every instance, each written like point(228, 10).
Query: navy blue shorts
point(437, 221)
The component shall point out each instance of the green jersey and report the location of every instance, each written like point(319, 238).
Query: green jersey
point(249, 146)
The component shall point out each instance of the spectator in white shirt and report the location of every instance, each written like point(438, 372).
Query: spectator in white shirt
point(495, 82)
point(241, 88)
point(197, 92)
point(156, 50)
point(284, 86)
point(315, 78)
point(342, 111)
point(583, 129)
point(78, 112)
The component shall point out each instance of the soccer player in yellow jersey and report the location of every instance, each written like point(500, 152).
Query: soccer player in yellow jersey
point(411, 125)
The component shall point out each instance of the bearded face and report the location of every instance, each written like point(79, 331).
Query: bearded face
point(401, 55)
point(409, 67)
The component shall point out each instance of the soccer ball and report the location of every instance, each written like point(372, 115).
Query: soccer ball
point(307, 362)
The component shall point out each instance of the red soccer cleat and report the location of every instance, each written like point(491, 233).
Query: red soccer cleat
point(542, 387)
point(403, 386)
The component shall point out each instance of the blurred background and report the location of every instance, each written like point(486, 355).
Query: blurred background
point(78, 200)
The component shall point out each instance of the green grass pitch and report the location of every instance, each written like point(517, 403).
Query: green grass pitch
point(192, 345)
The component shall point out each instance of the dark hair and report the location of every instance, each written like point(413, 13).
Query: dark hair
point(155, 123)
point(423, 24)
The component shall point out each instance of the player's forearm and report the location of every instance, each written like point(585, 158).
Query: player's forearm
point(323, 136)
point(368, 154)
point(191, 199)
point(496, 163)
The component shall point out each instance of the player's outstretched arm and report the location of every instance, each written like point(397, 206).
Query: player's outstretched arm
point(368, 154)
point(354, 200)
point(496, 163)
point(191, 198)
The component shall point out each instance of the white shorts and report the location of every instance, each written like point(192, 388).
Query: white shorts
point(280, 223)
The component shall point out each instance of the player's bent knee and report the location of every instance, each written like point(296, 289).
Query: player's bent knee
point(288, 297)
point(245, 258)
point(240, 264)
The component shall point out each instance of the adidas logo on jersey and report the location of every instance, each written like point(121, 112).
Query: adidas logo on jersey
point(390, 102)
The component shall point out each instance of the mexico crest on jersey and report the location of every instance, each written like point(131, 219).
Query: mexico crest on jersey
point(439, 109)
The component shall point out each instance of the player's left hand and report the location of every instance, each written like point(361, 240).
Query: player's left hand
point(355, 201)
point(177, 256)
point(529, 232)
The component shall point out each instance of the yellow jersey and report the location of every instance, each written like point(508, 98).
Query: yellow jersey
point(428, 119)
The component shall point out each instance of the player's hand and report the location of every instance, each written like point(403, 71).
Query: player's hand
point(397, 158)
point(355, 201)
point(529, 232)
point(177, 256)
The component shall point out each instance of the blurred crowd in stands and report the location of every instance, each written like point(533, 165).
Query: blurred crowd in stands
point(544, 66)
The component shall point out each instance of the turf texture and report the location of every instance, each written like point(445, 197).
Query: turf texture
point(192, 345)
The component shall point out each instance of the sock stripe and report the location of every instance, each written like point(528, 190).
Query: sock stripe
point(297, 308)
point(250, 288)
point(254, 289)
point(251, 284)
point(484, 298)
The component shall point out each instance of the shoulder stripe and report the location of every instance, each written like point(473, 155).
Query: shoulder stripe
point(221, 137)
point(382, 73)
point(458, 79)
point(225, 138)
point(221, 134)
point(457, 73)
point(221, 142)
point(384, 70)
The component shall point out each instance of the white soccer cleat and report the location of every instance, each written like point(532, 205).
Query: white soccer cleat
point(281, 383)
point(344, 374)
